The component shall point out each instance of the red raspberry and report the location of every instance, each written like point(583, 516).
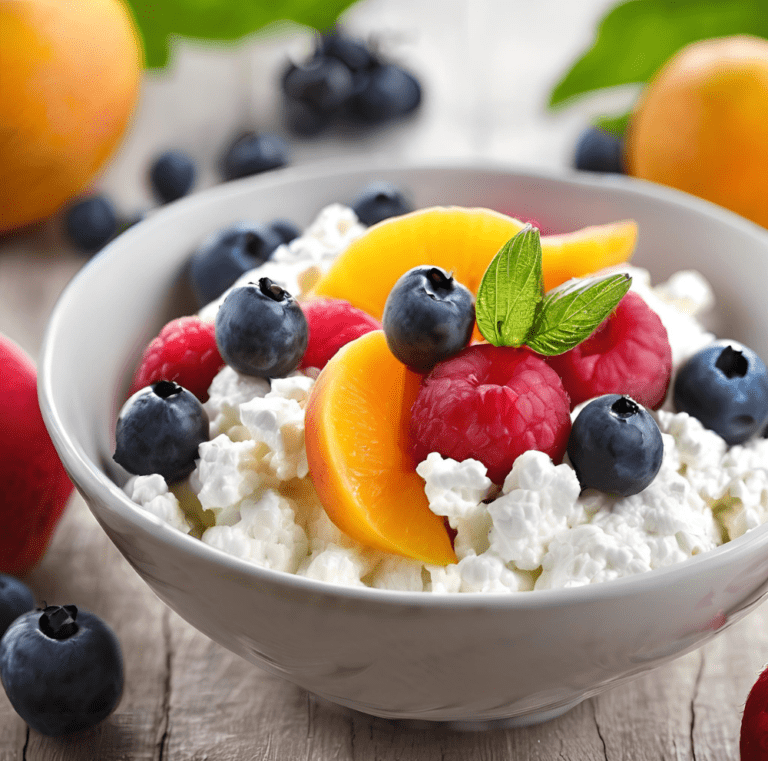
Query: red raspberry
point(492, 404)
point(753, 743)
point(332, 324)
point(628, 354)
point(184, 351)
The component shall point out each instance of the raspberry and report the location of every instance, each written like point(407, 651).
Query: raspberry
point(184, 351)
point(628, 354)
point(753, 743)
point(491, 404)
point(332, 324)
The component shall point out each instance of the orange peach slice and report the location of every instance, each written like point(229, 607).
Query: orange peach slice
point(586, 251)
point(462, 241)
point(356, 435)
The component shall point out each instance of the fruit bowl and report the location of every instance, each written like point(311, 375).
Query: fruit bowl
point(470, 658)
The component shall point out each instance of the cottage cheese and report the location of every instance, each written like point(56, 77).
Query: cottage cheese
point(251, 495)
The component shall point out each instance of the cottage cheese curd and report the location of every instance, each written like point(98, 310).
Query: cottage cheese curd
point(251, 495)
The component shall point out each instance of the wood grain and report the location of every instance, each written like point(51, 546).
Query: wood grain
point(487, 67)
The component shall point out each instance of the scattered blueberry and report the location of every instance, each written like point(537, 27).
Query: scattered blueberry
point(324, 84)
point(15, 598)
point(343, 78)
point(261, 330)
point(599, 151)
point(172, 175)
point(389, 92)
point(615, 446)
point(227, 254)
point(353, 53)
point(91, 223)
point(428, 317)
point(304, 120)
point(159, 430)
point(378, 201)
point(724, 386)
point(62, 669)
point(286, 229)
point(252, 153)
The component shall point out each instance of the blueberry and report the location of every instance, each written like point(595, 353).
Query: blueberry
point(15, 599)
point(428, 317)
point(389, 92)
point(302, 119)
point(228, 254)
point(378, 201)
point(172, 175)
point(599, 151)
point(286, 229)
point(159, 430)
point(725, 387)
point(354, 53)
point(261, 330)
point(251, 153)
point(323, 83)
point(91, 223)
point(62, 669)
point(615, 446)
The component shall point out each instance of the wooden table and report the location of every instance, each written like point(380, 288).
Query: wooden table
point(487, 67)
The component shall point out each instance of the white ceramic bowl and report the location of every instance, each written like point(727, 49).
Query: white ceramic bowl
point(521, 658)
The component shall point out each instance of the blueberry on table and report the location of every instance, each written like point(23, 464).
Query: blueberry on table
point(599, 151)
point(324, 84)
point(61, 668)
point(91, 223)
point(159, 430)
point(228, 254)
point(379, 201)
point(252, 153)
point(15, 598)
point(172, 175)
point(261, 330)
point(428, 317)
point(389, 92)
point(725, 387)
point(304, 120)
point(615, 446)
point(350, 51)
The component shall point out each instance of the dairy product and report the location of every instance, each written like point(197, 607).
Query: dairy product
point(536, 532)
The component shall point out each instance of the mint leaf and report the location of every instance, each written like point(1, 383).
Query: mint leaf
point(511, 288)
point(636, 38)
point(616, 125)
point(570, 314)
point(159, 21)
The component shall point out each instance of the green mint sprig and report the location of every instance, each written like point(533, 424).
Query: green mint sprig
point(161, 22)
point(511, 308)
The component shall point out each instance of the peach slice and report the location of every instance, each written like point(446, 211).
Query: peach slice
point(586, 251)
point(357, 438)
point(464, 241)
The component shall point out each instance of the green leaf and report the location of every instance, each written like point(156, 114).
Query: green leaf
point(159, 21)
point(511, 288)
point(636, 38)
point(570, 314)
point(616, 125)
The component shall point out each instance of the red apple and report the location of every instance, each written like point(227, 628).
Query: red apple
point(34, 487)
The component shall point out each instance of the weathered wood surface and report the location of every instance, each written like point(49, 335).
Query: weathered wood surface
point(487, 66)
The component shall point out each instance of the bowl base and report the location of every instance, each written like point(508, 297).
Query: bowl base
point(456, 725)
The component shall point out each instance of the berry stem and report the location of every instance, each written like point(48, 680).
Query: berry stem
point(58, 621)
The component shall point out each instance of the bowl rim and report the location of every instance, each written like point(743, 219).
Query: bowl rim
point(94, 481)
